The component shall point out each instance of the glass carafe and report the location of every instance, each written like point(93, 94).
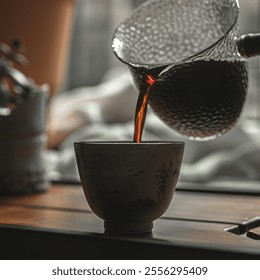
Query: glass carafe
point(196, 58)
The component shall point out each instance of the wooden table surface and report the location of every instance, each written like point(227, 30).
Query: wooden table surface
point(59, 224)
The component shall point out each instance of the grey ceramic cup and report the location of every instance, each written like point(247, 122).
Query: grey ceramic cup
point(22, 146)
point(128, 184)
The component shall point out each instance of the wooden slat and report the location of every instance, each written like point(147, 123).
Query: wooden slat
point(215, 207)
point(193, 218)
point(58, 196)
point(225, 208)
point(49, 218)
point(37, 243)
point(173, 231)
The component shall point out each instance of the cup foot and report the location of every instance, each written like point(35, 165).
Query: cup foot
point(128, 228)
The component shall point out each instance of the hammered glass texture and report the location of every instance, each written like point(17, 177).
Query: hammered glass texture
point(201, 99)
point(166, 31)
point(189, 47)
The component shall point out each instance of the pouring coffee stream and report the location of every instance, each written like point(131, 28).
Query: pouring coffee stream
point(189, 63)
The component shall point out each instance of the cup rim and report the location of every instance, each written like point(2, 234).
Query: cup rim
point(126, 142)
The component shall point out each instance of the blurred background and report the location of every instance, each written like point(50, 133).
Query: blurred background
point(96, 101)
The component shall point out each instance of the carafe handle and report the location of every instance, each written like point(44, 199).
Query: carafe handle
point(249, 45)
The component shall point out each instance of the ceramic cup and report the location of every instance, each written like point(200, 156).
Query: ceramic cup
point(129, 185)
point(22, 145)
